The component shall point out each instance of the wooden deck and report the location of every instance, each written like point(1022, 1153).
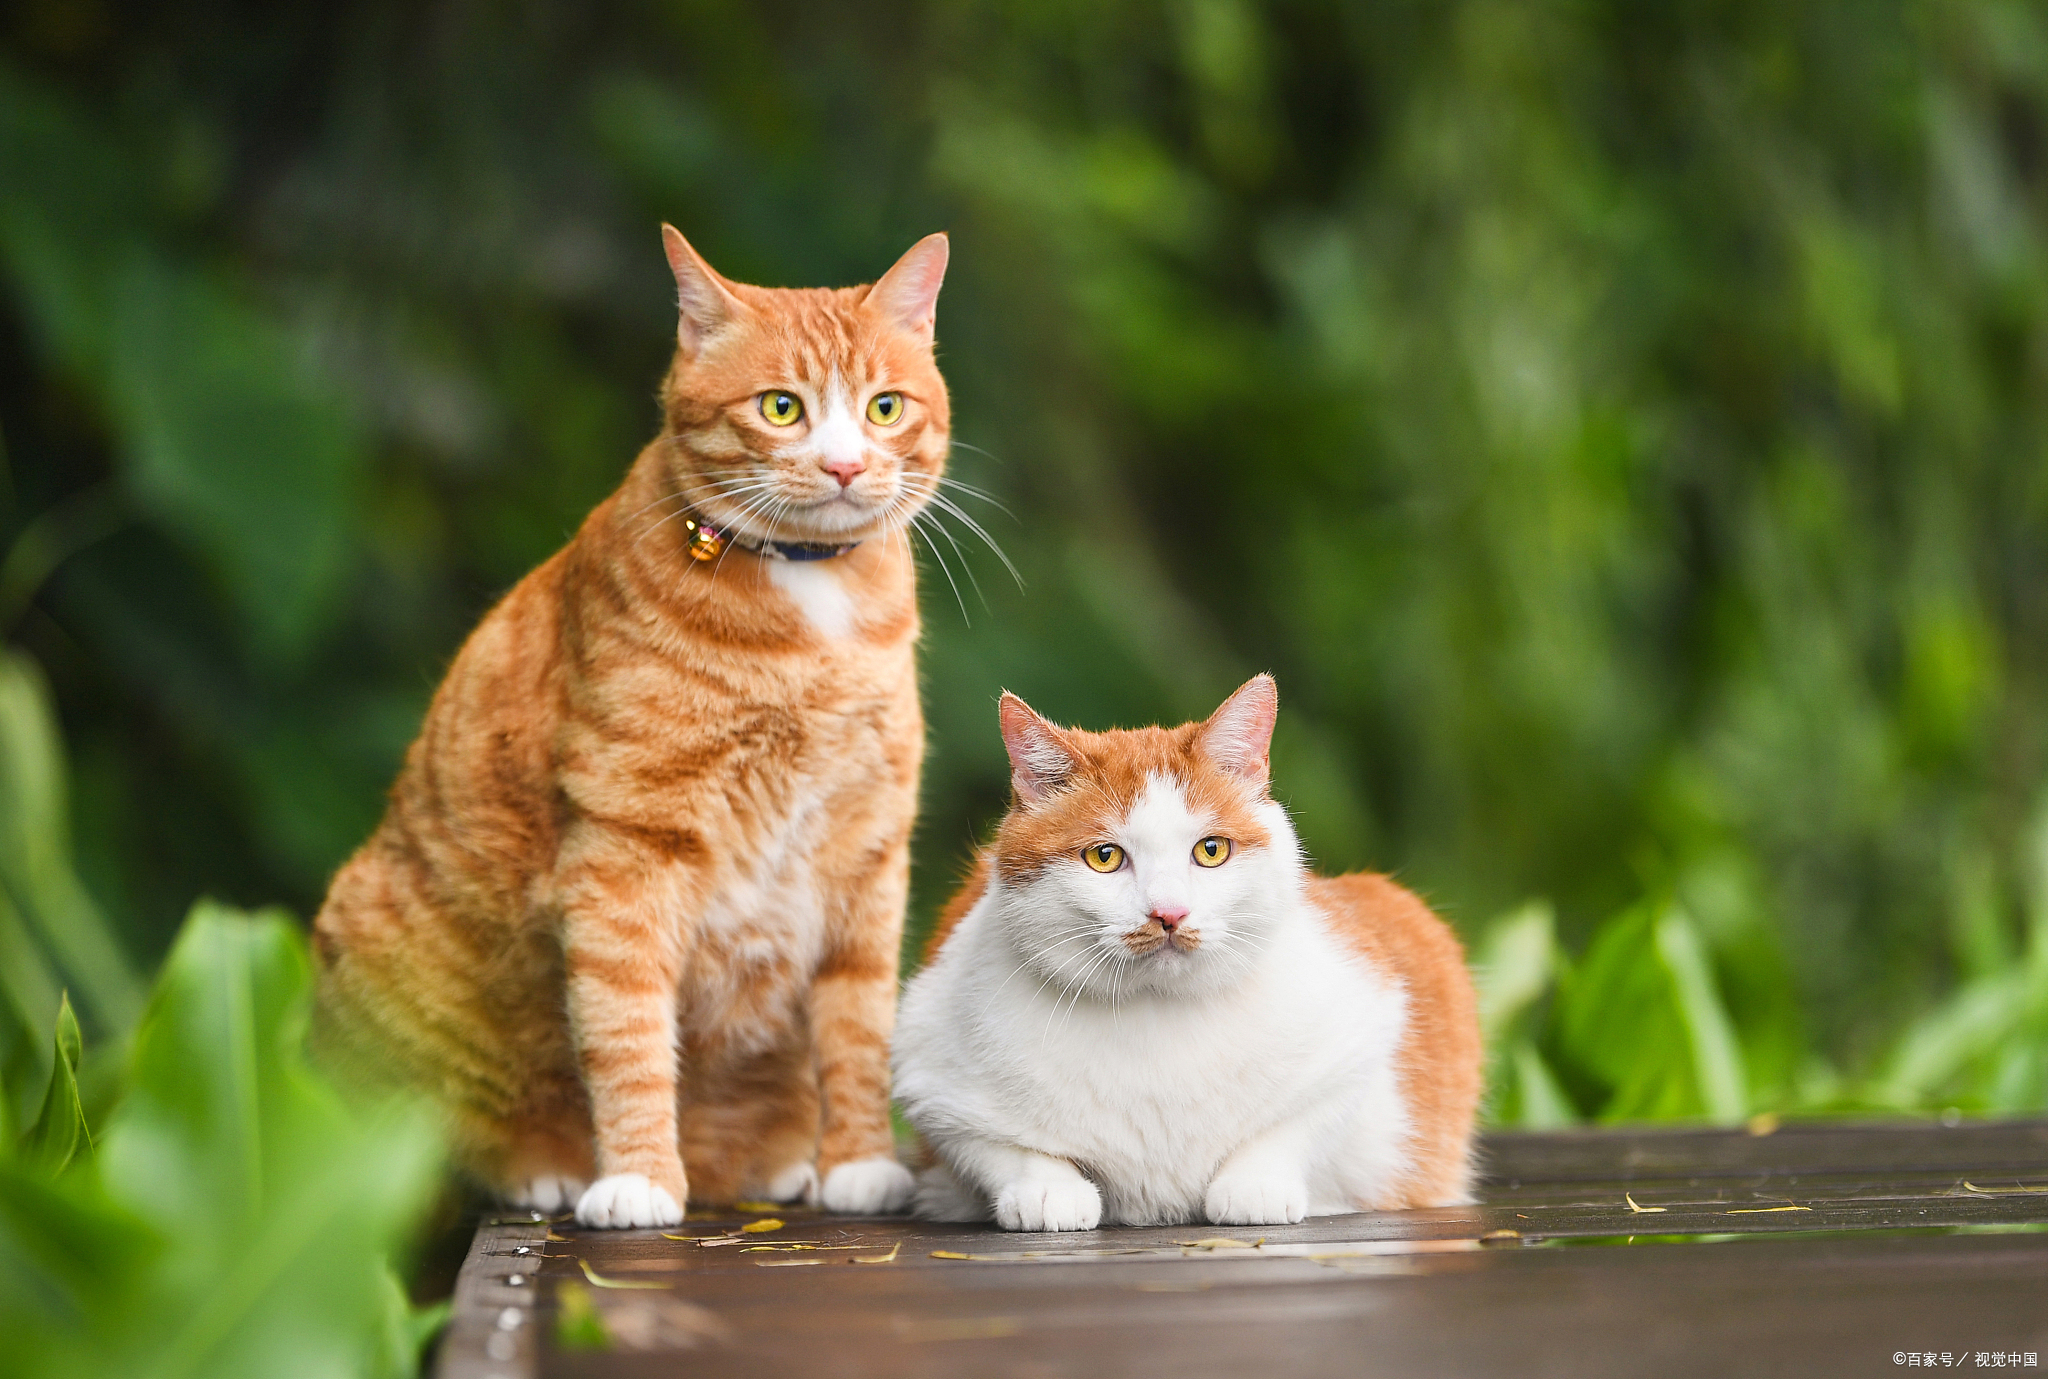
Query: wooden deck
point(1853, 1250)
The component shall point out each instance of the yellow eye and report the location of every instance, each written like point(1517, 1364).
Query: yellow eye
point(885, 409)
point(1103, 856)
point(1212, 852)
point(781, 409)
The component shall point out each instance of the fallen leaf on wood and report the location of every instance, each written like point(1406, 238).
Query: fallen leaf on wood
point(2001, 1191)
point(764, 1207)
point(771, 1223)
point(1759, 1211)
point(1643, 1210)
point(601, 1281)
point(889, 1258)
point(785, 1263)
point(1220, 1242)
point(955, 1254)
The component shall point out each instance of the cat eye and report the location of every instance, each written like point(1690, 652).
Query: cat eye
point(781, 409)
point(1103, 856)
point(885, 409)
point(1212, 852)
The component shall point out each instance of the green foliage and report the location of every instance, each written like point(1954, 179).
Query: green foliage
point(236, 1217)
point(579, 1325)
point(52, 935)
point(1619, 427)
point(60, 1132)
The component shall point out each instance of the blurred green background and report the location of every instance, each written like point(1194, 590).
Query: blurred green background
point(1620, 426)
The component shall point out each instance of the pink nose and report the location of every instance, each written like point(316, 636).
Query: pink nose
point(1169, 916)
point(845, 471)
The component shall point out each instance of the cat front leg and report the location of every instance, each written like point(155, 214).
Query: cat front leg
point(621, 949)
point(1264, 1182)
point(1030, 1191)
point(853, 1009)
point(853, 1013)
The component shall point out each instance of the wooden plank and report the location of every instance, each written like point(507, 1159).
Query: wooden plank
point(491, 1332)
point(1685, 1252)
point(1920, 1146)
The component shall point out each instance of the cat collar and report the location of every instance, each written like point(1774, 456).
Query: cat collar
point(708, 542)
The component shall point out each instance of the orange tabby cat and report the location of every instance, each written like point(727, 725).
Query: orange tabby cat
point(637, 898)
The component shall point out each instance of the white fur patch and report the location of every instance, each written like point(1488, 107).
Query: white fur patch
point(549, 1192)
point(1063, 1079)
point(627, 1200)
point(817, 592)
point(868, 1187)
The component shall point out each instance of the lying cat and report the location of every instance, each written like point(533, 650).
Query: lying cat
point(633, 913)
point(1143, 1008)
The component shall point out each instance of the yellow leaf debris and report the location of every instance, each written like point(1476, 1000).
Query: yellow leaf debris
point(1640, 1210)
point(772, 1223)
point(601, 1281)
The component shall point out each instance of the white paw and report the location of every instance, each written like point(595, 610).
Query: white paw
point(1240, 1199)
point(797, 1183)
point(548, 1192)
point(1036, 1205)
point(868, 1187)
point(626, 1200)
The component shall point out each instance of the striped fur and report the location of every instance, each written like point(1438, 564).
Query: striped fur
point(632, 915)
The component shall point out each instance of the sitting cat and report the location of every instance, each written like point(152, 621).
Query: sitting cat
point(632, 915)
point(1144, 1009)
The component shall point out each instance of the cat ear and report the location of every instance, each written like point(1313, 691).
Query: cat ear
point(703, 300)
point(1239, 735)
point(908, 294)
point(1039, 758)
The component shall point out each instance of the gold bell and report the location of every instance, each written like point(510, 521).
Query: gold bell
point(705, 544)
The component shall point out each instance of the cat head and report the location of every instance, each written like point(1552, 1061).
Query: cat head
point(1143, 860)
point(811, 414)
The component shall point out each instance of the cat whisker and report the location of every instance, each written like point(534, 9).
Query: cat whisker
point(940, 501)
point(932, 546)
point(964, 565)
point(948, 481)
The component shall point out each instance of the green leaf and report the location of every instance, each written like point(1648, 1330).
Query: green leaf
point(405, 1331)
point(45, 912)
point(1642, 1023)
point(1515, 964)
point(1539, 1102)
point(60, 1132)
point(578, 1323)
point(283, 1203)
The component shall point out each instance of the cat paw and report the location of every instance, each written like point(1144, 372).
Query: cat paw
point(548, 1192)
point(868, 1187)
point(1033, 1205)
point(1244, 1200)
point(625, 1200)
point(797, 1183)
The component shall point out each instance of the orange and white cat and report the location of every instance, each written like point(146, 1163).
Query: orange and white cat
point(1144, 1009)
point(636, 902)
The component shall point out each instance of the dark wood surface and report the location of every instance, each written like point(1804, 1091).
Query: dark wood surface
point(1826, 1249)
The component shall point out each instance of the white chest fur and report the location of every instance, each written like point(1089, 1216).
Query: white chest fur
point(817, 592)
point(1149, 1097)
